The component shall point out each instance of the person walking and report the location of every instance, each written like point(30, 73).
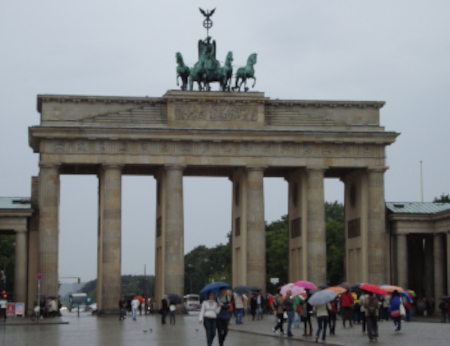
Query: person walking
point(332, 312)
point(371, 306)
point(253, 306)
point(164, 309)
point(223, 318)
point(122, 308)
point(297, 311)
point(321, 312)
point(172, 311)
point(346, 304)
point(3, 304)
point(363, 296)
point(288, 305)
point(259, 306)
point(239, 303)
point(278, 312)
point(394, 310)
point(135, 303)
point(208, 316)
point(306, 314)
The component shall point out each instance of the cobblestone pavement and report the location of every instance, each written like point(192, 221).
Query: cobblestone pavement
point(147, 330)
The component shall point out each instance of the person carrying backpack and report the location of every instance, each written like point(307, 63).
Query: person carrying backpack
point(371, 306)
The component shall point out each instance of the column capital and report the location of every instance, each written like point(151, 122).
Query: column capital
point(175, 166)
point(381, 169)
point(49, 165)
point(111, 166)
point(316, 168)
point(255, 168)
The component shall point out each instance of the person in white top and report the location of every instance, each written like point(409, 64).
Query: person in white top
point(208, 315)
point(134, 306)
point(3, 304)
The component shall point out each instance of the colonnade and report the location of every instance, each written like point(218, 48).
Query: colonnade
point(307, 233)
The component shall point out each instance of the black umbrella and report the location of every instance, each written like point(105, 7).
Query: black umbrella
point(174, 298)
point(445, 298)
point(241, 290)
point(255, 288)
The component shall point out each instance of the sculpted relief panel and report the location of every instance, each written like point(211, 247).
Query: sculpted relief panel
point(214, 148)
point(216, 112)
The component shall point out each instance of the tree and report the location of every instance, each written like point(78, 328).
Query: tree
point(277, 251)
point(442, 199)
point(334, 218)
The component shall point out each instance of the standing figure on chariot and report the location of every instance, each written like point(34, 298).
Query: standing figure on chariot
point(207, 55)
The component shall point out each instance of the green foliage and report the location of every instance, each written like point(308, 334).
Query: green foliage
point(277, 251)
point(7, 261)
point(442, 199)
point(334, 217)
point(202, 265)
point(131, 284)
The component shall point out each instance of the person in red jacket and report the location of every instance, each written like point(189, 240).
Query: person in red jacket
point(346, 304)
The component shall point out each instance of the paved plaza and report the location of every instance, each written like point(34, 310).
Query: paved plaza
point(147, 330)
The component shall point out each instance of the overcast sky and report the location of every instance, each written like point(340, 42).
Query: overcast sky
point(384, 50)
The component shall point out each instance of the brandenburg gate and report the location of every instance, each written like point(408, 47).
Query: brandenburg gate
point(242, 136)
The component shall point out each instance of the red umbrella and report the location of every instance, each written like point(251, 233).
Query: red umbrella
point(374, 289)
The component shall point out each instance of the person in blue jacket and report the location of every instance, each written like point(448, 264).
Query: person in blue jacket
point(394, 306)
point(223, 318)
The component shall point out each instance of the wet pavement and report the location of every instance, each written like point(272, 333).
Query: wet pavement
point(147, 330)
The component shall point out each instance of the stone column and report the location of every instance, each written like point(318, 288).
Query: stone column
point(439, 267)
point(377, 228)
point(402, 260)
point(49, 228)
point(256, 235)
point(110, 237)
point(174, 232)
point(316, 234)
point(20, 271)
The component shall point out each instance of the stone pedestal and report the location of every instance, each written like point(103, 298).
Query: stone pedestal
point(20, 275)
point(402, 261)
point(316, 234)
point(256, 236)
point(174, 231)
point(377, 228)
point(49, 228)
point(109, 267)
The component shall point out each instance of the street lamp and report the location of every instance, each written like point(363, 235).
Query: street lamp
point(207, 260)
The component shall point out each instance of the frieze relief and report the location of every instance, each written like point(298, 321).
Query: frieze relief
point(212, 148)
point(216, 112)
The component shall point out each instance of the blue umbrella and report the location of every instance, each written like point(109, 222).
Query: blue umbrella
point(406, 295)
point(213, 287)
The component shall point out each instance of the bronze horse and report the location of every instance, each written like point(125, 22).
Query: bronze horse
point(244, 73)
point(182, 71)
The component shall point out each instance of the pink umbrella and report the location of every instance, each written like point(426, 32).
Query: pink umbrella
point(307, 285)
point(291, 287)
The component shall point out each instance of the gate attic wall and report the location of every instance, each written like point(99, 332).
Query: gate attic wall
point(243, 136)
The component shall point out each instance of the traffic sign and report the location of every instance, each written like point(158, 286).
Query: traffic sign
point(39, 276)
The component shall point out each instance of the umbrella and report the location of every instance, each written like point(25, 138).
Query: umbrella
point(322, 297)
point(390, 289)
point(241, 290)
point(445, 298)
point(293, 288)
point(337, 289)
point(307, 285)
point(411, 293)
point(356, 285)
point(213, 287)
point(373, 289)
point(255, 288)
point(406, 295)
point(141, 299)
point(174, 298)
point(345, 285)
